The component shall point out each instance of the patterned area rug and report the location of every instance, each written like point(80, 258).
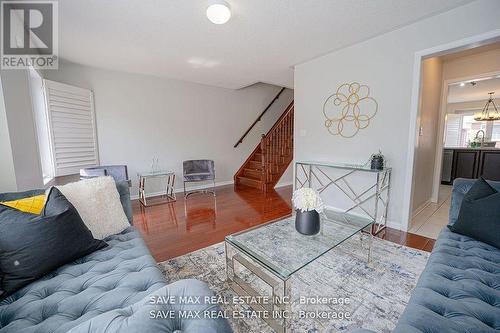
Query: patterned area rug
point(373, 294)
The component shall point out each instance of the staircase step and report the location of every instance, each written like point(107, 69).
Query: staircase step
point(249, 182)
point(252, 173)
point(255, 165)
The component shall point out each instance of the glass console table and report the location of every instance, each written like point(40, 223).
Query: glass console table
point(275, 251)
point(169, 177)
point(372, 199)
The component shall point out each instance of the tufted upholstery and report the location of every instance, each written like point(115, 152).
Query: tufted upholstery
point(112, 278)
point(459, 289)
point(147, 316)
point(102, 292)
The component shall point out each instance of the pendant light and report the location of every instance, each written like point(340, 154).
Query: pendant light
point(487, 114)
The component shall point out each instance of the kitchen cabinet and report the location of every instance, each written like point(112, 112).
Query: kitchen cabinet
point(447, 164)
point(470, 163)
point(465, 163)
point(489, 165)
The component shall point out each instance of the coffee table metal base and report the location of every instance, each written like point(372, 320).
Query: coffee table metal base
point(277, 305)
point(279, 309)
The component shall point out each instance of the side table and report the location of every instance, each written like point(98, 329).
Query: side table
point(169, 176)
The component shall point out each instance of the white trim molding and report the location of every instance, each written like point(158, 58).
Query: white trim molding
point(202, 187)
point(456, 46)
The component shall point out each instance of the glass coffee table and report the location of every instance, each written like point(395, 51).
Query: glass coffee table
point(275, 251)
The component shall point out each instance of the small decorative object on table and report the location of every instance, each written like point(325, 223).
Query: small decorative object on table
point(377, 161)
point(308, 205)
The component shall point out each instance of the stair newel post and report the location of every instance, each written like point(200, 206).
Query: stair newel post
point(263, 149)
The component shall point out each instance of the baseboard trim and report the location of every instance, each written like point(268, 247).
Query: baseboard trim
point(283, 184)
point(181, 190)
point(421, 208)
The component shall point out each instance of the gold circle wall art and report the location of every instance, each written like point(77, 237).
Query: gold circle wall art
point(349, 109)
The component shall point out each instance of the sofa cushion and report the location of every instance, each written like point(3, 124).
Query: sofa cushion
point(479, 215)
point(460, 187)
point(458, 291)
point(34, 245)
point(112, 278)
point(98, 203)
point(33, 205)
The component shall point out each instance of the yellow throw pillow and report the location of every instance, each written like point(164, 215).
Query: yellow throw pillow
point(33, 205)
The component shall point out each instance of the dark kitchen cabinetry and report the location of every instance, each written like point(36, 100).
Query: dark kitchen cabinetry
point(472, 163)
point(465, 163)
point(489, 165)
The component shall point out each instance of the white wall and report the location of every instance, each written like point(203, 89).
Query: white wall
point(15, 87)
point(474, 64)
point(426, 144)
point(385, 63)
point(7, 175)
point(140, 117)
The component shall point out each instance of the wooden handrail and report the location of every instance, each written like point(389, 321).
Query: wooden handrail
point(258, 119)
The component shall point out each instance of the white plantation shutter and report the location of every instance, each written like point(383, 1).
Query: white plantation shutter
point(453, 130)
point(72, 127)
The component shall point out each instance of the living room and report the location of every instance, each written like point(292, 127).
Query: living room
point(204, 166)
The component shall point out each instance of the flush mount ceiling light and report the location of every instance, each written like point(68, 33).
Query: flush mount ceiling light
point(488, 114)
point(219, 12)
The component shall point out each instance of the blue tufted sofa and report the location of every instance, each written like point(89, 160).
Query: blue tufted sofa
point(459, 290)
point(106, 291)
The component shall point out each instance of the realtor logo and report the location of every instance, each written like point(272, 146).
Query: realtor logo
point(29, 34)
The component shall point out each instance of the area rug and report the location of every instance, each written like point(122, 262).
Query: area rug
point(376, 292)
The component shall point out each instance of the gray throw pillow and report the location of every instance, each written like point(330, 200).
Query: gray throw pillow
point(479, 215)
point(34, 245)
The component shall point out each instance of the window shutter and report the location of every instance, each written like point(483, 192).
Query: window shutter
point(453, 130)
point(72, 127)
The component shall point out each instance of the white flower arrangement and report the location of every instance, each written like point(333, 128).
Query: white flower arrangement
point(307, 199)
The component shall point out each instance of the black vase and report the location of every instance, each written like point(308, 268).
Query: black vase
point(377, 163)
point(307, 223)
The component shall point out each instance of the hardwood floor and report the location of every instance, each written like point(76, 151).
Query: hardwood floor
point(174, 229)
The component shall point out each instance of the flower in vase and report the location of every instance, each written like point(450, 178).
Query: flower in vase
point(307, 199)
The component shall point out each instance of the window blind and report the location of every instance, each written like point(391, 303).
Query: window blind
point(453, 130)
point(72, 127)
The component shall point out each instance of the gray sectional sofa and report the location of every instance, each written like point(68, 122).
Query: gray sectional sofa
point(459, 290)
point(109, 290)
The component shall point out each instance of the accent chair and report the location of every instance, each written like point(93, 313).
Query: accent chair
point(198, 171)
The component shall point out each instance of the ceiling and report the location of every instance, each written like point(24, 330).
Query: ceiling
point(261, 43)
point(477, 92)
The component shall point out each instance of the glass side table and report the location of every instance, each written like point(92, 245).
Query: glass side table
point(169, 176)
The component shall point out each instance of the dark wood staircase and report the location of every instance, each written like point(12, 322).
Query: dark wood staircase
point(269, 160)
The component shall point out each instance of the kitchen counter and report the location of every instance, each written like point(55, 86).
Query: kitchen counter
point(469, 148)
point(465, 162)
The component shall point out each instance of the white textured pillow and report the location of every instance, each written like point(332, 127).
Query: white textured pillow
point(98, 202)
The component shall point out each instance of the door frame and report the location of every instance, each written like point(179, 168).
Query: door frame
point(442, 123)
point(452, 47)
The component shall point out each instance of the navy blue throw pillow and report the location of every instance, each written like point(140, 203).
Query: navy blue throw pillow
point(34, 245)
point(479, 215)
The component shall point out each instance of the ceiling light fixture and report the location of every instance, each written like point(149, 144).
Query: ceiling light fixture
point(486, 114)
point(219, 12)
point(462, 84)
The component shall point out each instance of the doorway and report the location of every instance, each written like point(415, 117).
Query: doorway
point(449, 143)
